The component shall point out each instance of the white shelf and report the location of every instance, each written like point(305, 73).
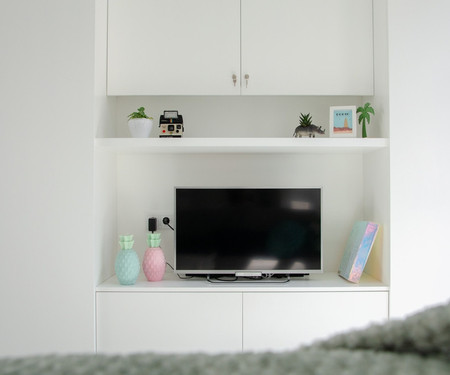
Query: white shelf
point(325, 282)
point(241, 145)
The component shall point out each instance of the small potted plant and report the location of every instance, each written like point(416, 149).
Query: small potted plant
point(365, 116)
point(140, 124)
point(307, 128)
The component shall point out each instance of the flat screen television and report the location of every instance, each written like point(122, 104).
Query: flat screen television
point(248, 231)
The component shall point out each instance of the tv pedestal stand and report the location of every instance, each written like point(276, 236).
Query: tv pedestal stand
point(249, 277)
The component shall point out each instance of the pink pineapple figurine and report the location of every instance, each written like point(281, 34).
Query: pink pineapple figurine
point(154, 263)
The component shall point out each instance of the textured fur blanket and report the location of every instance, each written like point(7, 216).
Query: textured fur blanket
point(419, 344)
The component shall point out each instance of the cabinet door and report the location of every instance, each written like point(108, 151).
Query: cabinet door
point(283, 321)
point(307, 47)
point(163, 47)
point(169, 322)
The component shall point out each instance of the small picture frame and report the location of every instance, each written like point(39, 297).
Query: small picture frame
point(343, 121)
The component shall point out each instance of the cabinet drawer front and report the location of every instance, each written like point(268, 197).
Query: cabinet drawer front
point(281, 321)
point(169, 322)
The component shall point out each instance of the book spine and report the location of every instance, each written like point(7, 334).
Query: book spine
point(351, 248)
point(363, 252)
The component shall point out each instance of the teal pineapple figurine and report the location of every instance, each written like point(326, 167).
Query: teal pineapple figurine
point(127, 261)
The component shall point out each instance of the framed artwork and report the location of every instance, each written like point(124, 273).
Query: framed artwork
point(343, 121)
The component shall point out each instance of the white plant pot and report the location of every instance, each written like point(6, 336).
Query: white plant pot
point(140, 127)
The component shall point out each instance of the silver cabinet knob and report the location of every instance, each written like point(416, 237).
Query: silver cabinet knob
point(234, 79)
point(246, 80)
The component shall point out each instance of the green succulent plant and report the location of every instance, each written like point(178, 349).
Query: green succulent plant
point(139, 114)
point(305, 120)
point(365, 116)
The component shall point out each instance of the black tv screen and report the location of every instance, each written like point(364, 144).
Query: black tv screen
point(238, 230)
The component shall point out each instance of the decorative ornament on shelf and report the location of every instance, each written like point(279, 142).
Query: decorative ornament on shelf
point(365, 116)
point(127, 264)
point(140, 124)
point(357, 250)
point(154, 263)
point(306, 127)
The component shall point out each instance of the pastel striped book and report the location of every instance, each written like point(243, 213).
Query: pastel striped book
point(357, 251)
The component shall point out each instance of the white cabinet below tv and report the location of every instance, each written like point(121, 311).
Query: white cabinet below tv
point(183, 316)
point(281, 320)
point(169, 322)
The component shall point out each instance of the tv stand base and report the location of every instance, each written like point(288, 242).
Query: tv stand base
point(279, 279)
point(248, 274)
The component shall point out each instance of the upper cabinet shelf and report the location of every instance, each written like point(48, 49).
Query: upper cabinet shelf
point(241, 145)
point(240, 47)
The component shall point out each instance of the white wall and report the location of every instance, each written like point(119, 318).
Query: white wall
point(419, 34)
point(46, 189)
point(105, 192)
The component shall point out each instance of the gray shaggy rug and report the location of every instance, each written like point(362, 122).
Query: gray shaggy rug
point(420, 344)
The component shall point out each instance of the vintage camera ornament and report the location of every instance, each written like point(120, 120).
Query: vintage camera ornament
point(171, 125)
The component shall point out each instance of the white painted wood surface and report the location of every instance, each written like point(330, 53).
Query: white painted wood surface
point(169, 322)
point(241, 145)
point(170, 47)
point(284, 321)
point(182, 316)
point(195, 47)
point(307, 47)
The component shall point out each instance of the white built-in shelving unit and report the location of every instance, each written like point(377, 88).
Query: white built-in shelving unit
point(238, 135)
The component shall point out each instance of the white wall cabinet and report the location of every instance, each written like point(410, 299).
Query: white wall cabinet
point(307, 47)
point(196, 47)
point(182, 316)
point(173, 47)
